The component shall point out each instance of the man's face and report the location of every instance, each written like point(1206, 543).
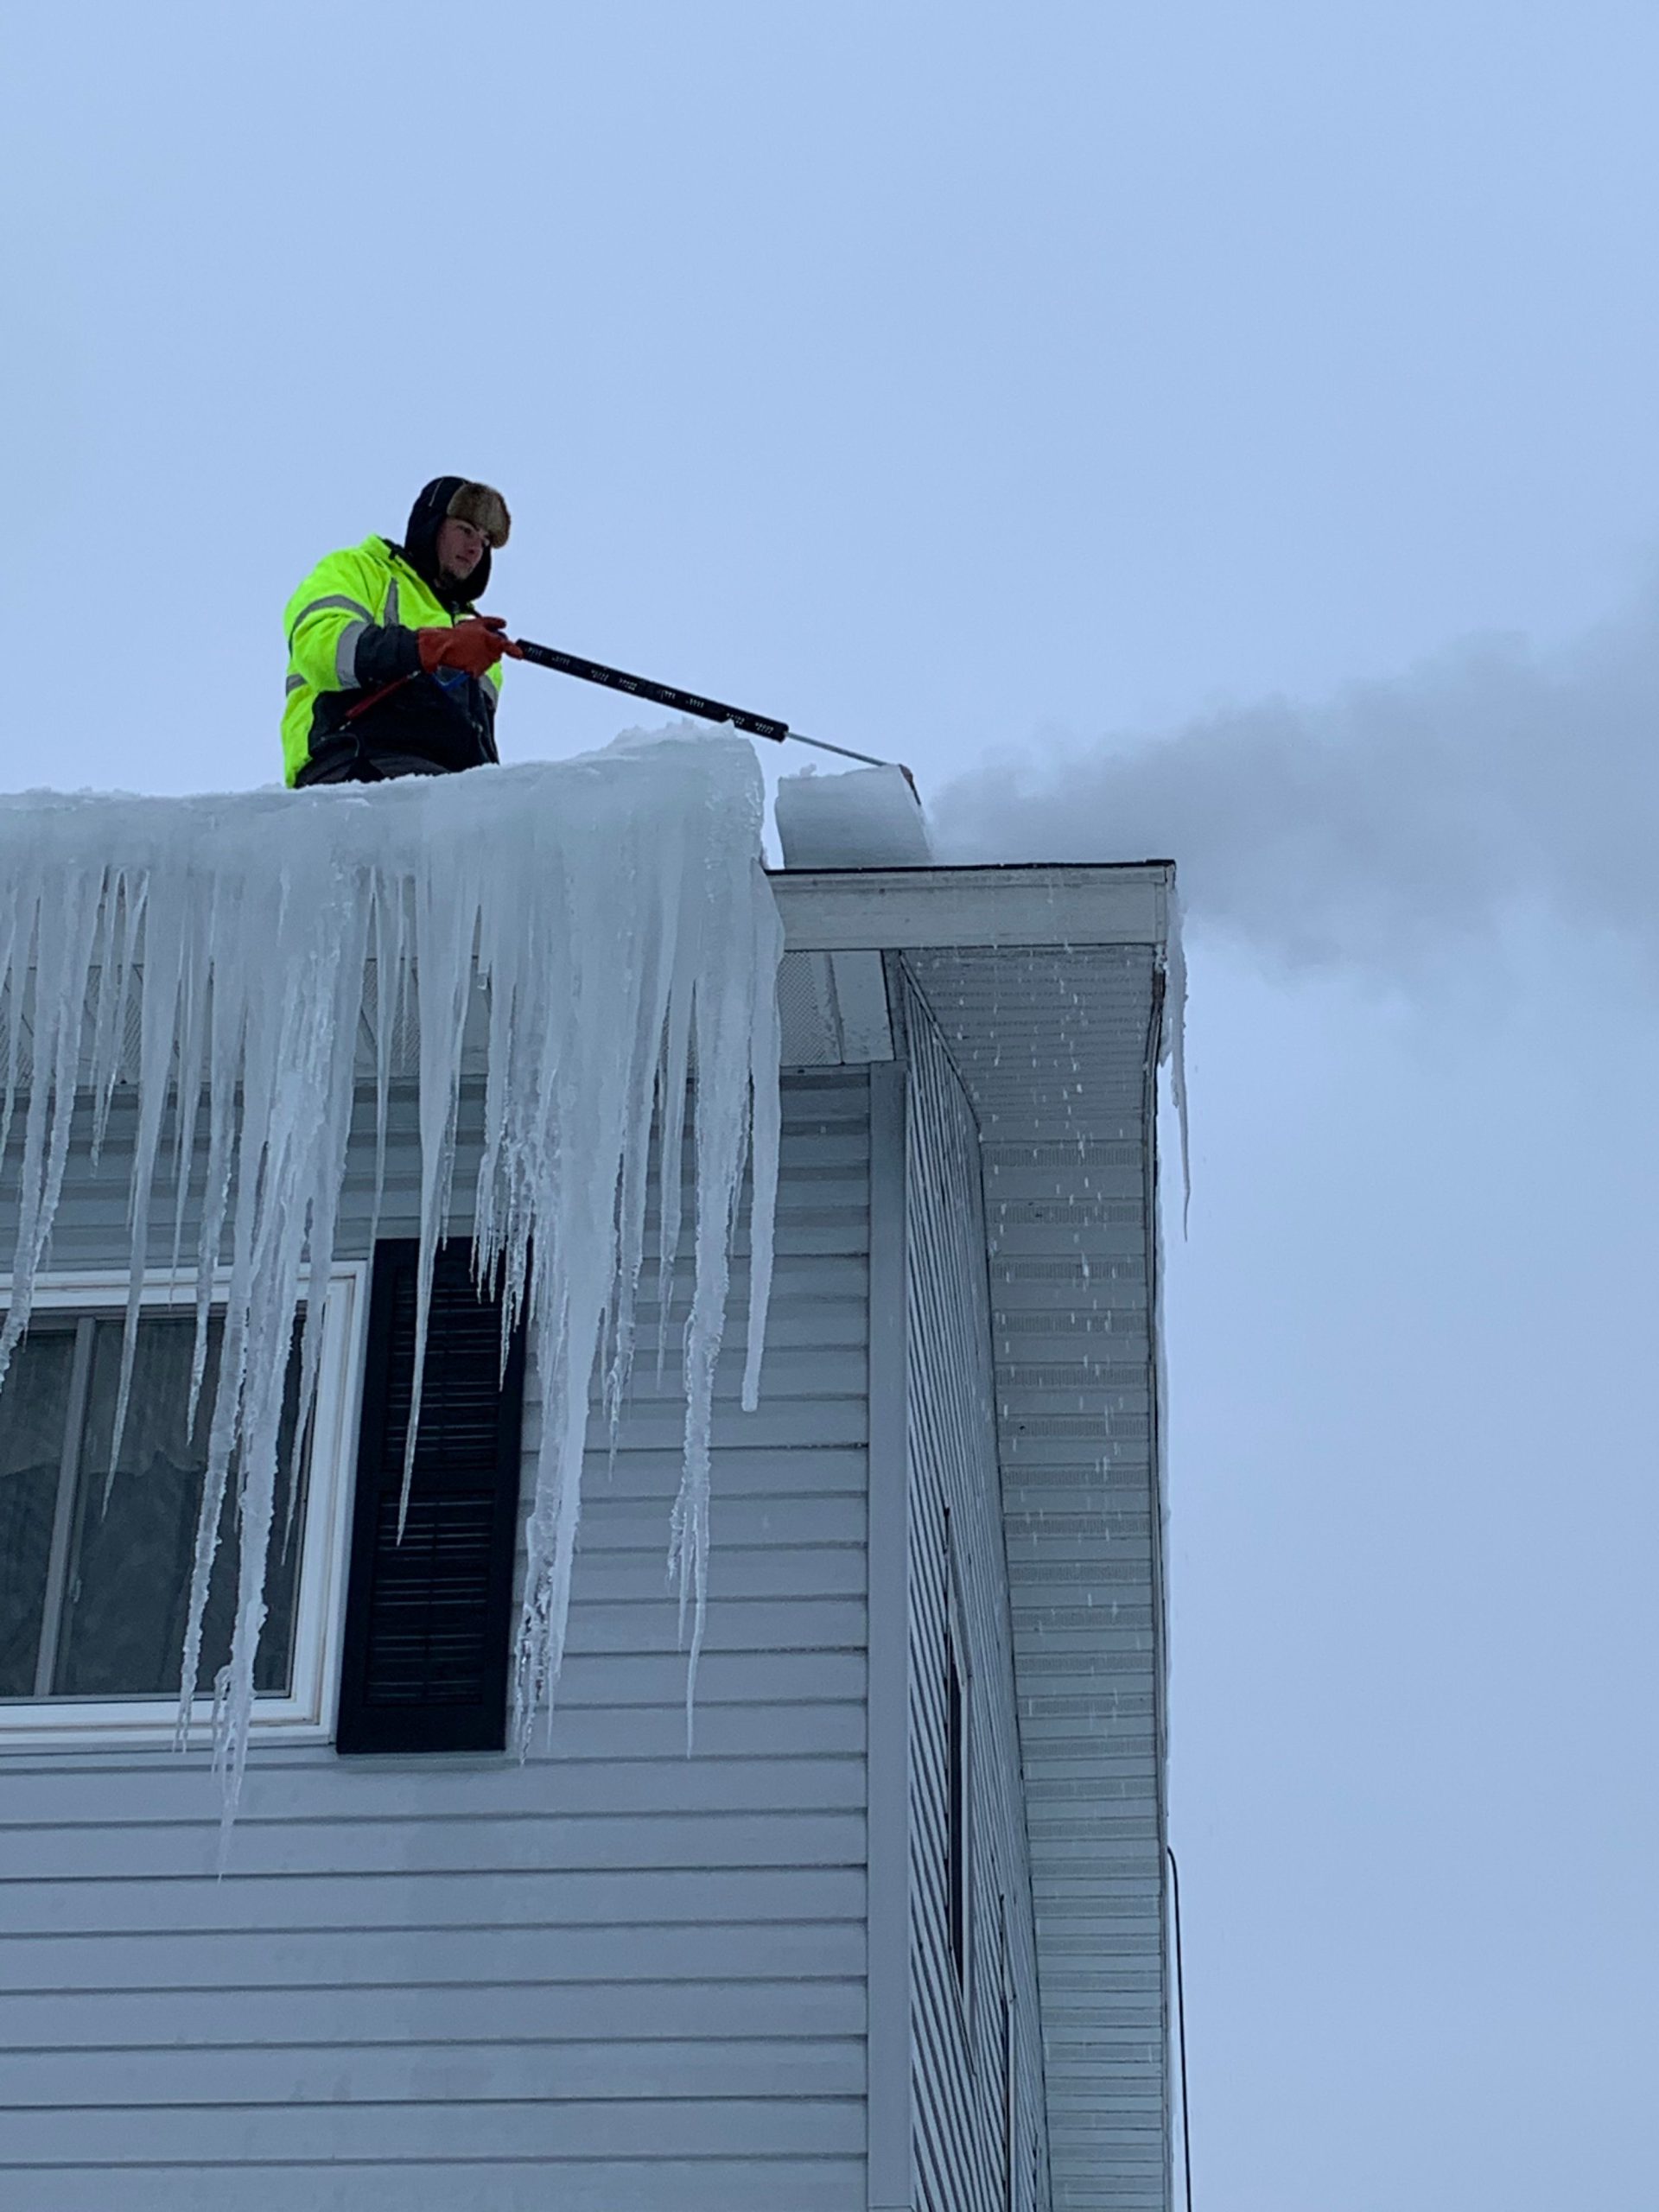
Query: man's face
point(460, 547)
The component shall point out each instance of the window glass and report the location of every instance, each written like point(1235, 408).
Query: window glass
point(34, 1409)
point(112, 1597)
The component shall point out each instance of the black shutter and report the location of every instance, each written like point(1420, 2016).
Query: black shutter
point(425, 1666)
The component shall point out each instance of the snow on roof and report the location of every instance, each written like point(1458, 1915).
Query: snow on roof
point(604, 922)
point(864, 818)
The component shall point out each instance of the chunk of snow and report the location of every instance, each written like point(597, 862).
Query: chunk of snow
point(605, 923)
point(867, 818)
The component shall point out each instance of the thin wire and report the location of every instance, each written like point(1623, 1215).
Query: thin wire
point(823, 745)
point(1181, 2014)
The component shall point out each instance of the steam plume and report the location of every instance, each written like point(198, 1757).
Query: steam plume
point(1378, 828)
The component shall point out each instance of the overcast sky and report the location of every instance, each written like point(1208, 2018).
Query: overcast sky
point(1199, 430)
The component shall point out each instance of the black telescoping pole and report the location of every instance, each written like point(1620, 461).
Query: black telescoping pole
point(661, 695)
point(684, 703)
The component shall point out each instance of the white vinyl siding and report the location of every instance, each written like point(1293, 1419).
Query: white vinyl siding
point(1058, 1050)
point(957, 1539)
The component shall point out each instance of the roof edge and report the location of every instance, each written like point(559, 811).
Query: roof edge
point(901, 909)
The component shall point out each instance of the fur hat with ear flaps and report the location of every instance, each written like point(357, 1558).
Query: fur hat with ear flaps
point(483, 506)
point(459, 498)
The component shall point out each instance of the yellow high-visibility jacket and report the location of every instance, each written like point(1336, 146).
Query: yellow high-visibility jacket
point(350, 645)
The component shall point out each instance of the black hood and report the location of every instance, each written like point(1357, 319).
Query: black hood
point(426, 518)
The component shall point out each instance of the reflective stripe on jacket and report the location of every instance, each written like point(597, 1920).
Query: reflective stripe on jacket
point(351, 600)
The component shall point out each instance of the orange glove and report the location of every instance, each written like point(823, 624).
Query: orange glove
point(475, 646)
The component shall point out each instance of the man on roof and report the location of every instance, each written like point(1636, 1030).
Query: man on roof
point(392, 670)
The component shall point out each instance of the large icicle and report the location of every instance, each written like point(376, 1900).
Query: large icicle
point(596, 927)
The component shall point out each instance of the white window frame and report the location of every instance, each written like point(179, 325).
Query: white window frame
point(305, 1713)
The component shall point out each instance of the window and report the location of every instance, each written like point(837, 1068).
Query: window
point(958, 1802)
point(95, 1557)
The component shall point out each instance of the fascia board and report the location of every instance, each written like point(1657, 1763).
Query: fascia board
point(898, 909)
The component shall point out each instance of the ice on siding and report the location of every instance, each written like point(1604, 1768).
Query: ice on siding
point(603, 923)
point(866, 817)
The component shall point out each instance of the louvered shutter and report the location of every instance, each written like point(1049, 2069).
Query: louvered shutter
point(424, 1666)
